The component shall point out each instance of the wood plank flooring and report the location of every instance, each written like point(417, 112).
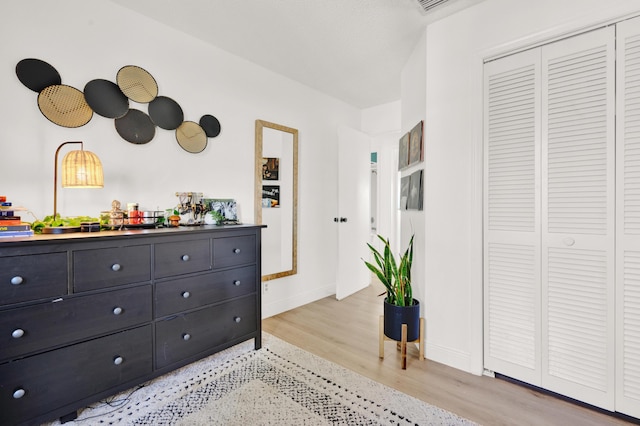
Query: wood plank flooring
point(346, 332)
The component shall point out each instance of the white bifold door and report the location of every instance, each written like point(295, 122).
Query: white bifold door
point(628, 219)
point(555, 312)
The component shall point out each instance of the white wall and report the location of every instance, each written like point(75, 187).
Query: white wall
point(87, 40)
point(455, 49)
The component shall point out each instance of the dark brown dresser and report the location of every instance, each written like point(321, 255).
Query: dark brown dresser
point(87, 315)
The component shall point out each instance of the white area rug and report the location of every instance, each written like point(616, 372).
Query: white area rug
point(279, 384)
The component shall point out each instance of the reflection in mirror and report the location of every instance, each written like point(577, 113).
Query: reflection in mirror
point(276, 197)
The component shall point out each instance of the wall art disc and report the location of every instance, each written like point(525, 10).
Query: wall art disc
point(137, 84)
point(191, 137)
point(211, 125)
point(135, 127)
point(37, 74)
point(64, 105)
point(106, 99)
point(165, 113)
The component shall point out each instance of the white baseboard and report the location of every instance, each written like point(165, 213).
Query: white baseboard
point(451, 357)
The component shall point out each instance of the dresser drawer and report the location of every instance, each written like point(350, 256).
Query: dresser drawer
point(189, 293)
point(232, 251)
point(30, 277)
point(57, 378)
point(182, 257)
point(189, 334)
point(107, 267)
point(38, 327)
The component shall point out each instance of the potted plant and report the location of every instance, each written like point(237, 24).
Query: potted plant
point(399, 305)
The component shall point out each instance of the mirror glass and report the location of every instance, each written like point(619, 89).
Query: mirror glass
point(276, 197)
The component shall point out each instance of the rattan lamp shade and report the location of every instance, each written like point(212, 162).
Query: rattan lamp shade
point(82, 169)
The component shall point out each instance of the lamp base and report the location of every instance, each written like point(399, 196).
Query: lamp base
point(60, 229)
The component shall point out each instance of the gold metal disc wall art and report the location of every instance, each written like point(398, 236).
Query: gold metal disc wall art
point(137, 84)
point(64, 105)
point(191, 137)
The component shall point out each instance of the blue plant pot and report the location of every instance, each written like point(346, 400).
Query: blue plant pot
point(395, 316)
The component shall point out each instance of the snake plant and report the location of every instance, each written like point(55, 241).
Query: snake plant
point(394, 275)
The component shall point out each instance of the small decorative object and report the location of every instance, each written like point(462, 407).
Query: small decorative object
point(270, 168)
point(414, 196)
point(403, 152)
point(401, 321)
point(113, 218)
point(416, 144)
point(174, 220)
point(213, 217)
point(270, 196)
point(225, 206)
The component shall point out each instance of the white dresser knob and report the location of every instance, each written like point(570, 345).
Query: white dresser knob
point(236, 282)
point(17, 333)
point(236, 251)
point(17, 280)
point(117, 360)
point(186, 294)
point(569, 241)
point(115, 267)
point(237, 319)
point(185, 257)
point(186, 336)
point(117, 310)
point(18, 393)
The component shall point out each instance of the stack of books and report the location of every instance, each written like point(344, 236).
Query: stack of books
point(11, 225)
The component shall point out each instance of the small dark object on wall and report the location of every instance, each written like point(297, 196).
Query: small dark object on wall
point(211, 125)
point(136, 127)
point(36, 74)
point(106, 99)
point(166, 113)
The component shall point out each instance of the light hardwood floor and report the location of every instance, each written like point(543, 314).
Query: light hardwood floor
point(346, 332)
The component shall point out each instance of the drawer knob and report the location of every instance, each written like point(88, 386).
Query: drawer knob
point(115, 267)
point(237, 319)
point(185, 257)
point(117, 360)
point(17, 280)
point(18, 393)
point(117, 310)
point(17, 333)
point(236, 251)
point(186, 294)
point(186, 336)
point(236, 282)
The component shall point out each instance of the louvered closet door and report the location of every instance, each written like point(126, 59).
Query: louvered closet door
point(628, 214)
point(578, 160)
point(512, 216)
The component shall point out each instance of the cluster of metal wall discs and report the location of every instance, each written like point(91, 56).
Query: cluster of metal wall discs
point(69, 107)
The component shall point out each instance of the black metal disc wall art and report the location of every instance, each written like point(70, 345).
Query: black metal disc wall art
point(165, 113)
point(137, 84)
point(106, 98)
point(64, 105)
point(37, 74)
point(211, 125)
point(191, 137)
point(135, 127)
point(69, 107)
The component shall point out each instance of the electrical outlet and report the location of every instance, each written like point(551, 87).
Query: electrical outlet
point(266, 287)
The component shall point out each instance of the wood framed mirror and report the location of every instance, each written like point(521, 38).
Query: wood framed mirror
point(276, 197)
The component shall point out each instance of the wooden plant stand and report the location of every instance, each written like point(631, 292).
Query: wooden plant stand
point(402, 344)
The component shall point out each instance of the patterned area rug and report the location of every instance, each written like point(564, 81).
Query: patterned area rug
point(279, 384)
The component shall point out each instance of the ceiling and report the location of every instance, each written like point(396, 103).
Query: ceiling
point(353, 50)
